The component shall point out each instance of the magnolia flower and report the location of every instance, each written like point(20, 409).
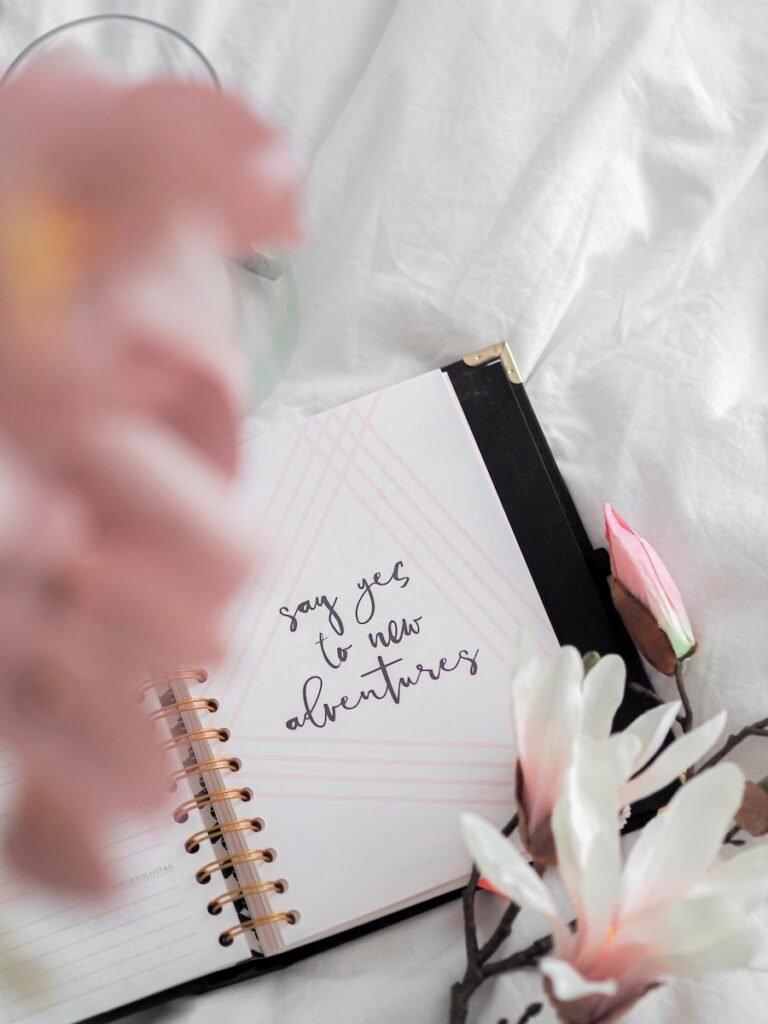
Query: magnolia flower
point(553, 705)
point(120, 537)
point(671, 910)
point(646, 597)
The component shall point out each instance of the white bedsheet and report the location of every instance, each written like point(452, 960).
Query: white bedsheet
point(586, 178)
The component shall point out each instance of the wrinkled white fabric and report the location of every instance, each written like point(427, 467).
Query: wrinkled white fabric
point(587, 179)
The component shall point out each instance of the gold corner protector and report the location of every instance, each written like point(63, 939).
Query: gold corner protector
point(500, 351)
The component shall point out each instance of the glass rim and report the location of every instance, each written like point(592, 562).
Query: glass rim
point(91, 19)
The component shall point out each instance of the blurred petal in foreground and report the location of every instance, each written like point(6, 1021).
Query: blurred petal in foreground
point(120, 538)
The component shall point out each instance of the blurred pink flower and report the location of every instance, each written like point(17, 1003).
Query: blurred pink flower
point(120, 536)
point(668, 911)
point(646, 597)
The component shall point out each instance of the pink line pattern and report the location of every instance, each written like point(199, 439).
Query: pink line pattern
point(434, 551)
point(348, 461)
point(264, 517)
point(387, 780)
point(302, 479)
point(386, 761)
point(331, 441)
point(460, 801)
point(456, 525)
point(410, 552)
point(332, 741)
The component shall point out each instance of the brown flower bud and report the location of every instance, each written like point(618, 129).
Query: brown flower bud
point(649, 638)
point(541, 843)
point(752, 816)
point(586, 1010)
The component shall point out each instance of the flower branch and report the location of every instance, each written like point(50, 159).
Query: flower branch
point(531, 1011)
point(686, 721)
point(671, 907)
point(759, 728)
point(528, 957)
point(647, 692)
point(477, 969)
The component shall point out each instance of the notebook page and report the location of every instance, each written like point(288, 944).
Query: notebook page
point(63, 959)
point(367, 669)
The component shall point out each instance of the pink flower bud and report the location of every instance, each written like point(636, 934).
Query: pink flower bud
point(641, 575)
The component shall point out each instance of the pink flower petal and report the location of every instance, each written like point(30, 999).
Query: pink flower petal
point(636, 565)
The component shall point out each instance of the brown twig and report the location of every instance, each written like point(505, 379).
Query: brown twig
point(527, 957)
point(532, 1011)
point(470, 927)
point(478, 967)
point(500, 935)
point(646, 692)
point(686, 721)
point(730, 837)
point(510, 827)
point(651, 695)
point(755, 729)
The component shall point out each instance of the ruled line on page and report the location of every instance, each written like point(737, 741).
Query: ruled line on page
point(115, 945)
point(98, 988)
point(84, 903)
point(136, 853)
point(82, 921)
point(97, 970)
point(411, 763)
point(458, 801)
point(105, 931)
point(370, 742)
point(126, 839)
point(15, 893)
point(384, 780)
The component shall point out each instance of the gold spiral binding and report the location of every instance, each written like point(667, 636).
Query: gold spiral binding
point(197, 734)
point(256, 889)
point(203, 876)
point(192, 845)
point(213, 764)
point(227, 937)
point(181, 814)
point(194, 675)
point(193, 704)
point(217, 830)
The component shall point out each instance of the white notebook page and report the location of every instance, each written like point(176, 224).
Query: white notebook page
point(63, 959)
point(362, 750)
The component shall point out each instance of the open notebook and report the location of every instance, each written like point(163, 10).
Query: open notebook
point(361, 707)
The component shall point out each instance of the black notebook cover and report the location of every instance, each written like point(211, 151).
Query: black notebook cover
point(570, 575)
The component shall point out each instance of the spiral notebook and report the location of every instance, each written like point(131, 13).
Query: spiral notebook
point(362, 704)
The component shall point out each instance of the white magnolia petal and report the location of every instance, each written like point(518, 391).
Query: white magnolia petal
point(730, 952)
point(568, 984)
point(683, 926)
point(553, 721)
point(677, 758)
point(695, 936)
point(525, 678)
point(586, 830)
point(505, 867)
point(677, 846)
point(744, 878)
point(603, 690)
point(625, 753)
point(598, 771)
point(651, 729)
